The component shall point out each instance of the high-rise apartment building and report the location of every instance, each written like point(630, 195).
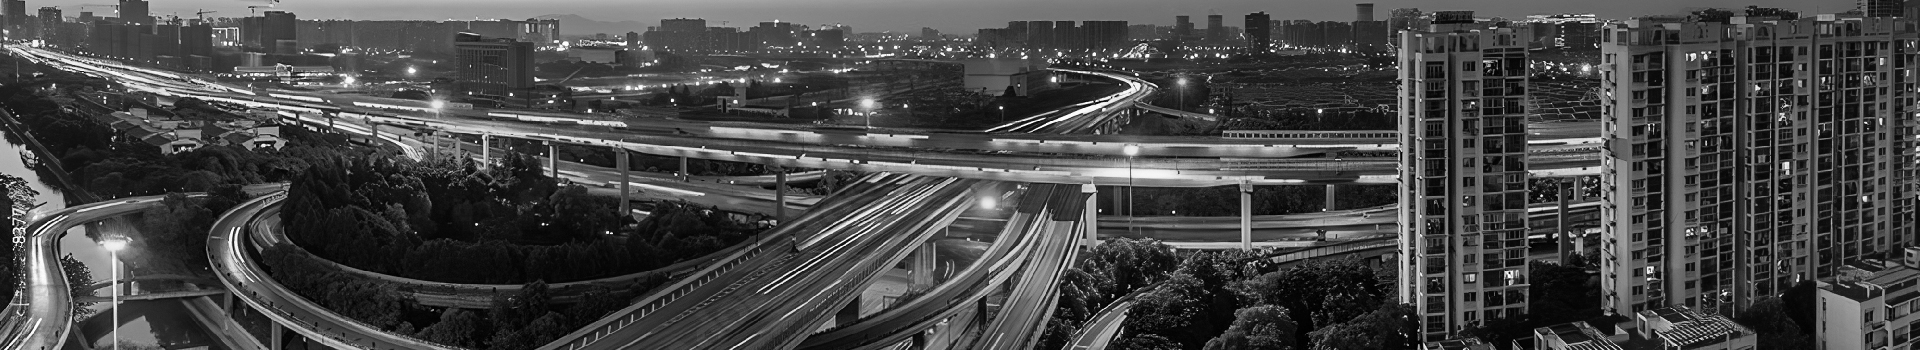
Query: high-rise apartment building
point(1882, 8)
point(50, 24)
point(1216, 28)
point(1363, 12)
point(1463, 174)
point(1742, 158)
point(135, 12)
point(1103, 35)
point(16, 16)
point(1182, 27)
point(1259, 35)
point(500, 67)
point(683, 25)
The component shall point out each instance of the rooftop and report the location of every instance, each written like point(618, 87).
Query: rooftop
point(1691, 328)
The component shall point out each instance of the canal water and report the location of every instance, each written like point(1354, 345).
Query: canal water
point(162, 324)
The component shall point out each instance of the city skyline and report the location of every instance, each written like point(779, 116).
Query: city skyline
point(905, 16)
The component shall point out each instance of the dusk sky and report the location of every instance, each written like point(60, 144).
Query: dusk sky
point(951, 16)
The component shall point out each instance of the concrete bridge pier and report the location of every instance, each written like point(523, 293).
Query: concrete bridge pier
point(919, 341)
point(1561, 224)
point(779, 192)
point(848, 314)
point(553, 160)
point(685, 173)
point(279, 336)
point(622, 160)
point(922, 265)
point(486, 150)
point(1090, 216)
point(1331, 189)
point(1246, 215)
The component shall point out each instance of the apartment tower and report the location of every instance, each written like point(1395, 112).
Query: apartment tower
point(1463, 176)
point(1742, 158)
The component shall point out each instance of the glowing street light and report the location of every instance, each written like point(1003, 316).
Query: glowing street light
point(114, 245)
point(867, 104)
point(1130, 150)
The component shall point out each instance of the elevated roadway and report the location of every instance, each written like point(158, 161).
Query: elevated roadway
point(1260, 162)
point(786, 298)
point(248, 281)
point(1027, 235)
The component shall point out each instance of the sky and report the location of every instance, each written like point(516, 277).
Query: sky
point(949, 16)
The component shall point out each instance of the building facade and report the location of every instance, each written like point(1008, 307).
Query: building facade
point(498, 68)
point(1259, 34)
point(1871, 304)
point(1742, 158)
point(1463, 176)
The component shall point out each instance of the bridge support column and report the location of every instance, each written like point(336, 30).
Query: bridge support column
point(919, 341)
point(779, 194)
point(622, 160)
point(848, 314)
point(279, 336)
point(1246, 215)
point(685, 174)
point(1090, 216)
point(486, 150)
point(1560, 227)
point(553, 160)
point(1331, 189)
point(922, 266)
point(375, 127)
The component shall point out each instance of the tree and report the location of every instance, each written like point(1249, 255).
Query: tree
point(78, 276)
point(456, 327)
point(1145, 342)
point(1263, 327)
point(1392, 326)
point(1768, 317)
point(1318, 292)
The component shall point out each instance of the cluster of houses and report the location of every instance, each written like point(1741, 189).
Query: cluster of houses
point(175, 133)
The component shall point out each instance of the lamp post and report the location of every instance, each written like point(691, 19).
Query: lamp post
point(114, 245)
point(1130, 150)
point(867, 104)
point(1182, 82)
point(1003, 114)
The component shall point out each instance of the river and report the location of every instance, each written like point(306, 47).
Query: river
point(156, 324)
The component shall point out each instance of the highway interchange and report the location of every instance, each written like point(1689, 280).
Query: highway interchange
point(733, 316)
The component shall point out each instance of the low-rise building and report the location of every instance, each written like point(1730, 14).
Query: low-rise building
point(1571, 336)
point(1870, 305)
point(172, 134)
point(1678, 327)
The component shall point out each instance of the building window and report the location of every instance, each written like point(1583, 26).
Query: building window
point(1471, 277)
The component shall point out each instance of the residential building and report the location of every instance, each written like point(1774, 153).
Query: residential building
point(1882, 8)
point(134, 12)
point(1678, 327)
point(1457, 344)
point(1183, 27)
point(1363, 12)
point(1216, 29)
point(1572, 336)
point(1463, 175)
point(1870, 305)
point(1259, 35)
point(1742, 158)
point(16, 16)
point(50, 24)
point(494, 68)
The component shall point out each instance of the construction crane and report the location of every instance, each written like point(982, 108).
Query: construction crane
point(203, 14)
point(250, 9)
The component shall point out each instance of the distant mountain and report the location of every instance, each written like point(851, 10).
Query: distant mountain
point(571, 25)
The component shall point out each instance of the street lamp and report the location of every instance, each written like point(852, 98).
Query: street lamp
point(114, 244)
point(867, 104)
point(437, 105)
point(1183, 92)
point(1003, 114)
point(1130, 150)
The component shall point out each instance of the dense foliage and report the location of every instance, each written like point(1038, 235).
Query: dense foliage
point(519, 321)
point(448, 221)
